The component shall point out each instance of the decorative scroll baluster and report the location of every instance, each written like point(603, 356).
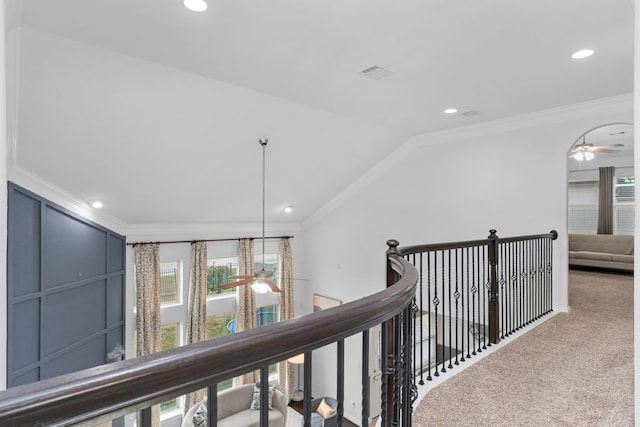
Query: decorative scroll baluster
point(456, 295)
point(436, 301)
point(503, 294)
point(468, 302)
point(462, 288)
point(450, 357)
point(431, 343)
point(420, 314)
point(384, 393)
point(397, 369)
point(414, 319)
point(444, 298)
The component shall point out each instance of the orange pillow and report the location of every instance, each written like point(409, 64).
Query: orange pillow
point(325, 410)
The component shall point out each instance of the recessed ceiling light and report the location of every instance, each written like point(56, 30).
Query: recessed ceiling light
point(584, 53)
point(97, 204)
point(288, 209)
point(195, 5)
point(451, 110)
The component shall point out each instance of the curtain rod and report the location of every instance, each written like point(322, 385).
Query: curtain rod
point(209, 240)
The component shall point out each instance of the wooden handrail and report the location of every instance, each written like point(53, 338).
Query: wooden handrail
point(408, 250)
point(117, 389)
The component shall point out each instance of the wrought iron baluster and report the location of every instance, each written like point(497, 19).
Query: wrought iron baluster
point(468, 302)
point(431, 343)
point(456, 295)
point(384, 394)
point(436, 301)
point(212, 405)
point(421, 325)
point(474, 289)
point(365, 379)
point(450, 366)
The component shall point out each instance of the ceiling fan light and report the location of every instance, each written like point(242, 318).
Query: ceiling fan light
point(260, 287)
point(588, 155)
point(579, 156)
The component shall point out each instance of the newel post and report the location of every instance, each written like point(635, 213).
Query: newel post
point(390, 352)
point(494, 308)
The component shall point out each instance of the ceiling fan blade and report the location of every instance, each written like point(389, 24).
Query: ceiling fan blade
point(234, 284)
point(604, 150)
point(273, 286)
point(247, 276)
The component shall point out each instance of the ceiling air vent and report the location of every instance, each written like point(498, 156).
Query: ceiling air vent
point(374, 72)
point(471, 113)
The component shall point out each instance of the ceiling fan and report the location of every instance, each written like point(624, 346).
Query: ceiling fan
point(585, 150)
point(260, 281)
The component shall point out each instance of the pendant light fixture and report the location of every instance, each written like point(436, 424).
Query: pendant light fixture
point(259, 285)
point(260, 281)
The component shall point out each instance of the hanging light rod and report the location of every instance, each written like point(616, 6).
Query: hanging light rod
point(209, 240)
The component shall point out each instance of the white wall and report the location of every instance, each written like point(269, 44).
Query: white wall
point(456, 185)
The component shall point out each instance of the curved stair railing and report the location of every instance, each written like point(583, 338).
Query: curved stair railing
point(106, 392)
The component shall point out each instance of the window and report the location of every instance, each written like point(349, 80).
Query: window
point(267, 315)
point(169, 289)
point(221, 305)
point(624, 206)
point(169, 338)
point(583, 207)
point(218, 273)
point(220, 325)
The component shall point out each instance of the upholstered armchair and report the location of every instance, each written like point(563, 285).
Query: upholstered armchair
point(323, 418)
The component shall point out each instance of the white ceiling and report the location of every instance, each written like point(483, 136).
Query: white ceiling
point(158, 110)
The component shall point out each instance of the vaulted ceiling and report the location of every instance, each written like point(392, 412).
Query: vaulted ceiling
point(157, 110)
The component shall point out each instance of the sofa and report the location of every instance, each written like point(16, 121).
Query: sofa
point(234, 409)
point(606, 251)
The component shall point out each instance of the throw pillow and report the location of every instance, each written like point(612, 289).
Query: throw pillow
point(324, 409)
point(200, 417)
point(255, 402)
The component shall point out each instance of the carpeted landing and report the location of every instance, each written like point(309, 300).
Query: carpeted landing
point(575, 369)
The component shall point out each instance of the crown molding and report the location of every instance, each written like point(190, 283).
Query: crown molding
point(605, 106)
point(67, 200)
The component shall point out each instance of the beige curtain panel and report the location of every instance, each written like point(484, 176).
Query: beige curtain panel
point(147, 264)
point(246, 312)
point(197, 318)
point(285, 282)
point(605, 200)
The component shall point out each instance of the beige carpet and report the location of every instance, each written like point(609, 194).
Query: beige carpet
point(575, 369)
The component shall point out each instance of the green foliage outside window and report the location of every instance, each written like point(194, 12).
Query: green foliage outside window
point(218, 275)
